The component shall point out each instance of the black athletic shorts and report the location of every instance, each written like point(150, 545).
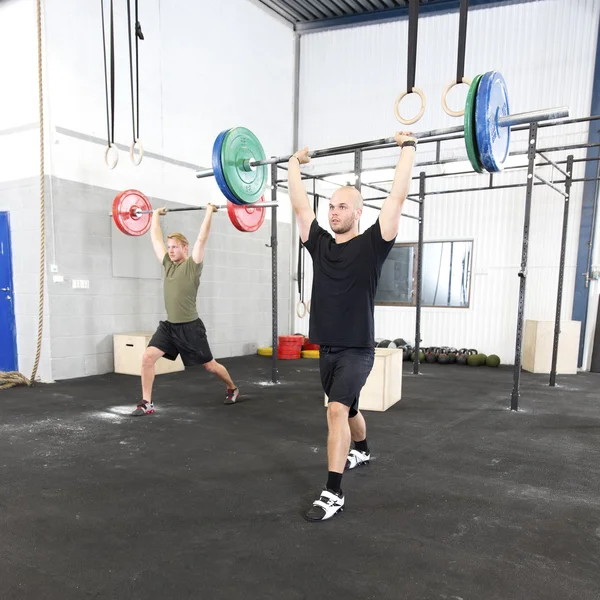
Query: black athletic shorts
point(188, 339)
point(344, 372)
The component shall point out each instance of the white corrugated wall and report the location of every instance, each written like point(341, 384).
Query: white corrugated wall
point(546, 52)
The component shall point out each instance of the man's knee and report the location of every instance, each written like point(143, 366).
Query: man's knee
point(211, 366)
point(338, 411)
point(149, 358)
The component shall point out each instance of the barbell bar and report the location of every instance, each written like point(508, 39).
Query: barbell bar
point(505, 121)
point(131, 212)
point(137, 211)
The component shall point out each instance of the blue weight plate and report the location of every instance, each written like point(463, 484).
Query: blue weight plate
point(493, 141)
point(218, 168)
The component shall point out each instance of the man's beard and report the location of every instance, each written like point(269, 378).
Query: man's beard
point(342, 227)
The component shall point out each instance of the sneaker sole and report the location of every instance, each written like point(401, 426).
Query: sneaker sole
point(360, 464)
point(149, 412)
point(340, 510)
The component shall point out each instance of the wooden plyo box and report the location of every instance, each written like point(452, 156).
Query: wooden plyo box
point(538, 342)
point(128, 351)
point(384, 384)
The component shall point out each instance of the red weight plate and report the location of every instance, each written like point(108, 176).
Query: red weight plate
point(289, 348)
point(123, 210)
point(247, 217)
point(291, 339)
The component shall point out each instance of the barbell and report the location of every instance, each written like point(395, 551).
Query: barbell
point(240, 164)
point(131, 212)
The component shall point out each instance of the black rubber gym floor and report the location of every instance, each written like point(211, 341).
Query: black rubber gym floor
point(464, 499)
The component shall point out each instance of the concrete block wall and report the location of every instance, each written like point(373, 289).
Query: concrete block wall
point(234, 299)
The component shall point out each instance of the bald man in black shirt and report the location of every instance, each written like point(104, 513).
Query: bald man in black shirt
point(346, 270)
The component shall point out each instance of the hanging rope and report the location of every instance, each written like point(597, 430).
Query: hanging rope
point(301, 306)
point(135, 98)
point(13, 378)
point(42, 194)
point(111, 154)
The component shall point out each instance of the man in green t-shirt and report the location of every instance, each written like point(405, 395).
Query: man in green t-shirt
point(183, 332)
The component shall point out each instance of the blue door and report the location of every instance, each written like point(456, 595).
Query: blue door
point(8, 338)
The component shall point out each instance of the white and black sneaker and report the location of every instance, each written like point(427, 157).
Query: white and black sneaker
point(328, 504)
point(357, 458)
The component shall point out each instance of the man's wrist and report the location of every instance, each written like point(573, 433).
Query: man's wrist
point(411, 143)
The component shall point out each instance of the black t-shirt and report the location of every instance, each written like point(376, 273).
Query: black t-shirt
point(345, 278)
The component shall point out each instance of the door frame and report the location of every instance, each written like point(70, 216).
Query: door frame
point(6, 215)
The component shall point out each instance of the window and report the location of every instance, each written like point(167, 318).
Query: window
point(446, 275)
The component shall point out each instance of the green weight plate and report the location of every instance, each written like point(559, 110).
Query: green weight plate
point(246, 183)
point(470, 133)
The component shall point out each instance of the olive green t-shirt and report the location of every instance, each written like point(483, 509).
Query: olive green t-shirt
point(181, 288)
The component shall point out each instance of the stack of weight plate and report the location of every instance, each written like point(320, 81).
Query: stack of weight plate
point(290, 347)
point(486, 141)
point(241, 184)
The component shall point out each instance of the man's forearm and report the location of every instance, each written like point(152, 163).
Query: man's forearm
point(205, 227)
point(155, 230)
point(403, 173)
point(298, 196)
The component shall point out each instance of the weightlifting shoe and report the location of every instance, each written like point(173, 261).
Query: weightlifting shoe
point(328, 504)
point(357, 458)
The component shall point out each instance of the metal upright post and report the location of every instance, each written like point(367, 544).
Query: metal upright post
point(533, 129)
point(358, 169)
point(450, 273)
point(561, 269)
point(358, 173)
point(274, 369)
point(419, 272)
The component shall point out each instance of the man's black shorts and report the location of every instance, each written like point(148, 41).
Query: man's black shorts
point(188, 339)
point(344, 372)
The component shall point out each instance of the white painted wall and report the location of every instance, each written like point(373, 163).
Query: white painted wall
point(19, 131)
point(546, 52)
point(204, 67)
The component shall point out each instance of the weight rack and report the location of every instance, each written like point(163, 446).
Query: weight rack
point(533, 179)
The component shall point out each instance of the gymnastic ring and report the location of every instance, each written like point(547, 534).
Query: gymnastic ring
point(400, 118)
point(447, 109)
point(132, 152)
point(301, 309)
point(115, 154)
point(308, 307)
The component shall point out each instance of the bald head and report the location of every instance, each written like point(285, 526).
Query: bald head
point(349, 195)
